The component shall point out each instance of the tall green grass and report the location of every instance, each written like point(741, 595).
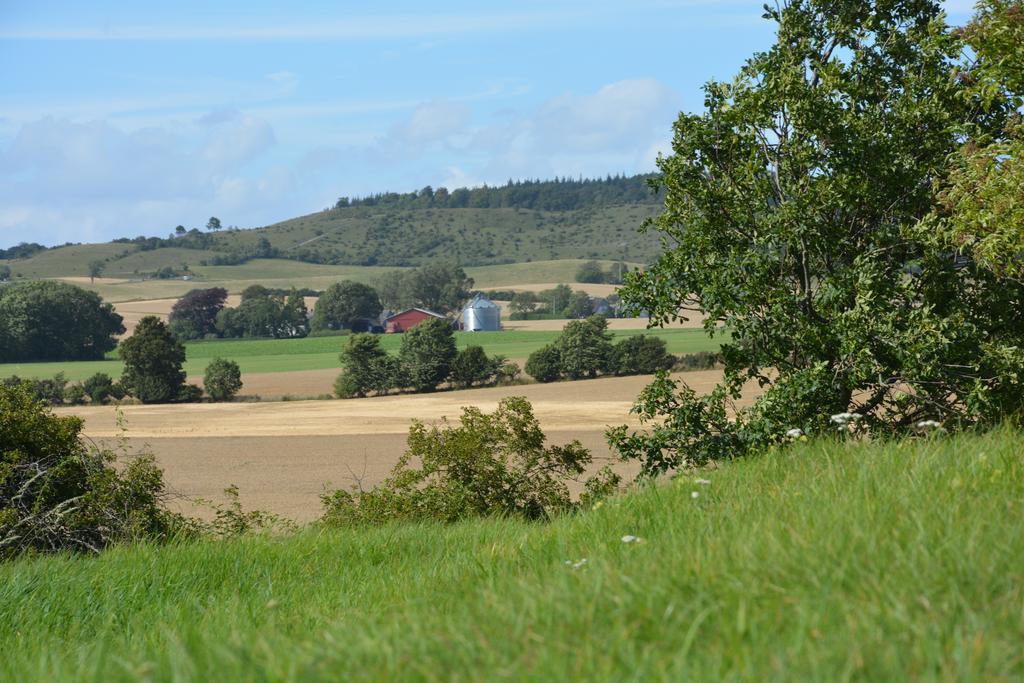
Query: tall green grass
point(319, 353)
point(824, 562)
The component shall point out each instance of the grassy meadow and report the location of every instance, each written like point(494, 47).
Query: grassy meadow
point(318, 353)
point(825, 561)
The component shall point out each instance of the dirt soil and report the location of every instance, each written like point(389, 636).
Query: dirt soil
point(281, 455)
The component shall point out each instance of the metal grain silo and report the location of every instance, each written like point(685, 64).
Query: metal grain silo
point(481, 315)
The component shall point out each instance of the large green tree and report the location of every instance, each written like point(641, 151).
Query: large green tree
point(345, 303)
point(152, 363)
point(51, 321)
point(789, 215)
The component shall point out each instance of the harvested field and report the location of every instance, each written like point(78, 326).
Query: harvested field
point(281, 455)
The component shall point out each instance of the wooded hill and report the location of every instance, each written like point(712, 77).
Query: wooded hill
point(518, 222)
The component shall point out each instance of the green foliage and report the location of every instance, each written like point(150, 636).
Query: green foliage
point(556, 298)
point(52, 321)
point(980, 208)
point(578, 306)
point(48, 391)
point(368, 368)
point(440, 287)
point(100, 387)
point(427, 354)
point(585, 348)
point(344, 304)
point(590, 272)
point(492, 464)
point(790, 208)
point(222, 379)
point(5, 273)
point(263, 313)
point(524, 303)
point(471, 366)
point(194, 315)
point(58, 493)
point(641, 355)
point(96, 269)
point(152, 363)
point(545, 364)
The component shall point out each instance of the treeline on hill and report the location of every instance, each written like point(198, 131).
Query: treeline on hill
point(560, 194)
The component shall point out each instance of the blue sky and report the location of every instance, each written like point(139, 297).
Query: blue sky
point(120, 119)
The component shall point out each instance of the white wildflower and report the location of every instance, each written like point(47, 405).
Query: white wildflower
point(702, 482)
point(577, 564)
point(629, 538)
point(694, 494)
point(794, 433)
point(845, 418)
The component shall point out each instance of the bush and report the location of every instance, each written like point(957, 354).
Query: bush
point(642, 355)
point(74, 395)
point(58, 493)
point(545, 364)
point(100, 387)
point(222, 380)
point(492, 464)
point(49, 391)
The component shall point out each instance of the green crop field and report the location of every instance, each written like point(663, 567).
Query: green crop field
point(823, 562)
point(317, 353)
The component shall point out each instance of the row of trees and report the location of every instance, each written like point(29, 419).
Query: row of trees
point(427, 359)
point(585, 349)
point(558, 302)
point(348, 305)
point(563, 194)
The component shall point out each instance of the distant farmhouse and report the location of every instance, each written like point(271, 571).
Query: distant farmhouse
point(408, 319)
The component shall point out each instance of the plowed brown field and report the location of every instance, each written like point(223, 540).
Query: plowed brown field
point(281, 455)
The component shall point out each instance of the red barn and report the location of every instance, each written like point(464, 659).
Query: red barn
point(406, 320)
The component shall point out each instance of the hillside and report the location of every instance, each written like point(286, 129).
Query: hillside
point(518, 223)
point(826, 562)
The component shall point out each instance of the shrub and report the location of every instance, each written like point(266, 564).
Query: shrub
point(74, 395)
point(49, 391)
point(58, 493)
point(641, 355)
point(100, 387)
point(222, 380)
point(702, 360)
point(492, 464)
point(545, 364)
